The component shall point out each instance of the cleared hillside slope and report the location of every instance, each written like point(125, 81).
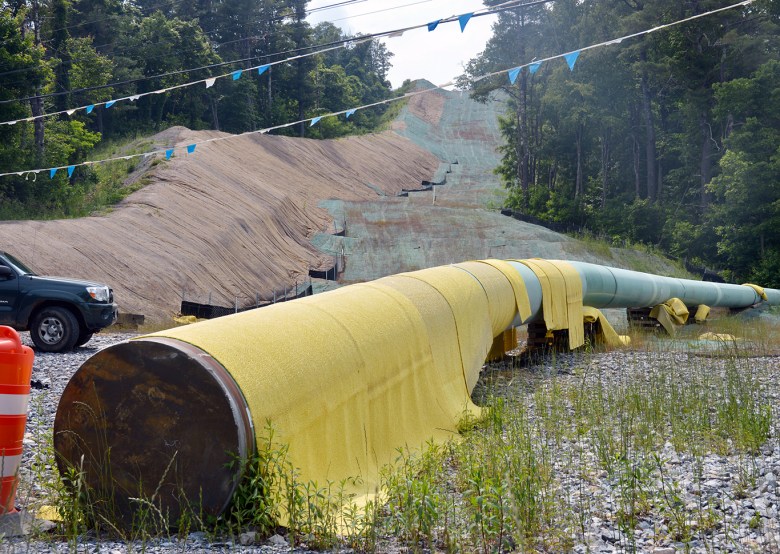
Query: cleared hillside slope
point(233, 219)
point(459, 218)
point(239, 219)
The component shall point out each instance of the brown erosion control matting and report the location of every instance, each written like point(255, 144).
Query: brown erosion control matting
point(234, 218)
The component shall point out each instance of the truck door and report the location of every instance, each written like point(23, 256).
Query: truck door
point(9, 295)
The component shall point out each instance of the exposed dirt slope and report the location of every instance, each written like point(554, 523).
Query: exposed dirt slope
point(459, 218)
point(233, 219)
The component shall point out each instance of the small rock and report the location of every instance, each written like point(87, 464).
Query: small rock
point(665, 550)
point(197, 536)
point(249, 538)
point(610, 535)
point(43, 525)
point(277, 540)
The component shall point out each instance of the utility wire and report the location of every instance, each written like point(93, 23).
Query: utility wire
point(313, 120)
point(112, 52)
point(328, 47)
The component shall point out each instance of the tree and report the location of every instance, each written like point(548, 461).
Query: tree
point(747, 214)
point(24, 75)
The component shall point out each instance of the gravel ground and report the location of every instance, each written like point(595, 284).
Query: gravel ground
point(736, 495)
point(750, 514)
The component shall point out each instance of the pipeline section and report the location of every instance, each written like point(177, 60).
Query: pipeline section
point(342, 379)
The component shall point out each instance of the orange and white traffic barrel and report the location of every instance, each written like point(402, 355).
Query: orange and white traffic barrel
point(16, 361)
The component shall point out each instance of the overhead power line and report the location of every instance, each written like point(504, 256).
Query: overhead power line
point(336, 45)
point(348, 112)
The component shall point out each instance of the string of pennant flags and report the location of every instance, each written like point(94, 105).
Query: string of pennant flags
point(261, 69)
point(533, 67)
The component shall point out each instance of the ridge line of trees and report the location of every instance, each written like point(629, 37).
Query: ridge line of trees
point(672, 139)
point(50, 50)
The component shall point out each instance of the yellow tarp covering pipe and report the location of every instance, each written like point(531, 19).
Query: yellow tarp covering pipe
point(702, 313)
point(759, 290)
point(344, 378)
point(671, 314)
point(605, 333)
point(561, 297)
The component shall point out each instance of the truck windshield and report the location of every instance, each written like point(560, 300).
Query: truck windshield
point(19, 265)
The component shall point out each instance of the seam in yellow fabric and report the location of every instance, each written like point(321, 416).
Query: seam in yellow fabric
point(522, 302)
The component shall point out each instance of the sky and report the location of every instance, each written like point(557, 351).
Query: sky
point(438, 56)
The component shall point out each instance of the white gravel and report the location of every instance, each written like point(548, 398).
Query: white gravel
point(752, 516)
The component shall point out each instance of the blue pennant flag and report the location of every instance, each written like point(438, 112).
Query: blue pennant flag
point(262, 69)
point(315, 120)
point(191, 148)
point(433, 24)
point(513, 73)
point(168, 153)
point(90, 108)
point(52, 172)
point(571, 59)
point(534, 67)
point(349, 113)
point(237, 74)
point(464, 19)
point(70, 170)
point(110, 103)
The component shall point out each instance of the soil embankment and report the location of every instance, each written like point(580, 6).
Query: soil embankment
point(233, 219)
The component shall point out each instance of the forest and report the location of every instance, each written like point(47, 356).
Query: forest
point(60, 54)
point(671, 139)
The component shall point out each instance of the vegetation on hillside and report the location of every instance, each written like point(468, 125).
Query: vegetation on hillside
point(56, 55)
point(669, 139)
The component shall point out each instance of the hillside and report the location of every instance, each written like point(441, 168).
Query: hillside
point(242, 218)
point(232, 220)
point(456, 218)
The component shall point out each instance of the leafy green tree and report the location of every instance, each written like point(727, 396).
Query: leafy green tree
point(747, 213)
point(23, 76)
point(90, 70)
point(628, 143)
point(61, 55)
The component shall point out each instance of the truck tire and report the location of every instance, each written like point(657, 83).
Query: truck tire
point(54, 329)
point(84, 337)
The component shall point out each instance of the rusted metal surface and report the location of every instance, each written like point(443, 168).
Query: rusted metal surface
point(158, 420)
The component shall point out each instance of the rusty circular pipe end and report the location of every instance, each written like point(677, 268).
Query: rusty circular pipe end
point(153, 422)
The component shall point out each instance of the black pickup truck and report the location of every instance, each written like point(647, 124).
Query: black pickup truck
point(59, 313)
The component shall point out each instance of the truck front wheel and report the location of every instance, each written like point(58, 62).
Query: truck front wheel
point(54, 329)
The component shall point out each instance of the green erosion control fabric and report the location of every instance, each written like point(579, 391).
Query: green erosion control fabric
point(349, 376)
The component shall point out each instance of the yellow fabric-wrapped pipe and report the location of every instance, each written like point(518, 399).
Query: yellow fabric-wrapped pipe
point(344, 378)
